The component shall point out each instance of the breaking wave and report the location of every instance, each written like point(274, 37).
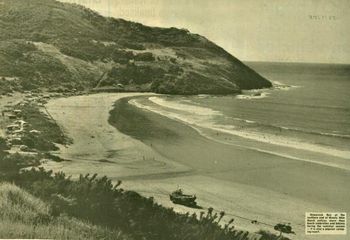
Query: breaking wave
point(203, 117)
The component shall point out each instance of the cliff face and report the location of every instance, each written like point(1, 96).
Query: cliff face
point(49, 44)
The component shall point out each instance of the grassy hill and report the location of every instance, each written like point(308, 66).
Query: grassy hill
point(25, 216)
point(49, 44)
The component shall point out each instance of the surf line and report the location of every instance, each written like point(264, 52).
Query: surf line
point(203, 110)
point(270, 152)
point(196, 128)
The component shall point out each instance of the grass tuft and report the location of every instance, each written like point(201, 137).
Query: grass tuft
point(25, 216)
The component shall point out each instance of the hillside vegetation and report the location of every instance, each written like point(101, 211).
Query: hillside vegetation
point(25, 216)
point(49, 44)
point(54, 206)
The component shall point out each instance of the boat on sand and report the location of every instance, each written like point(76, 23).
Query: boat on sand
point(178, 197)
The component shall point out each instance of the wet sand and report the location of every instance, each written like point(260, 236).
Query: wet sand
point(163, 154)
point(268, 187)
point(183, 144)
point(97, 146)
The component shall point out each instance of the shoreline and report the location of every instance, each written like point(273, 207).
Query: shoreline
point(233, 196)
point(97, 146)
point(265, 176)
point(211, 157)
point(265, 139)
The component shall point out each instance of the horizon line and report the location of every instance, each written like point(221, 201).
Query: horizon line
point(293, 62)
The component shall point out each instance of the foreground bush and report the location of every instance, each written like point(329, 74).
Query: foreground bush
point(99, 201)
point(10, 165)
point(104, 209)
point(24, 216)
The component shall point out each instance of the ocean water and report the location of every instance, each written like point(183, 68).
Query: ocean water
point(307, 110)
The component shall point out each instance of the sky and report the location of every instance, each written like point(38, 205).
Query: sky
point(252, 30)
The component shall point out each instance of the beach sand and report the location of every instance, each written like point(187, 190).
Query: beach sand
point(97, 146)
point(164, 154)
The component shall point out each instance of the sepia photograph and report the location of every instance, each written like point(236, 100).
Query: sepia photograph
point(175, 120)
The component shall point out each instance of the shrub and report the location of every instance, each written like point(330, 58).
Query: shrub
point(10, 165)
point(25, 216)
point(3, 144)
point(146, 57)
point(37, 142)
point(121, 56)
point(135, 74)
point(50, 131)
point(101, 202)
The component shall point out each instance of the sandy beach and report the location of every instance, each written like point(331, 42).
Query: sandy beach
point(99, 147)
point(161, 154)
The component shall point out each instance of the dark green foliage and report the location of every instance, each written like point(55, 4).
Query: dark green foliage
point(42, 183)
point(191, 83)
point(34, 141)
point(52, 157)
point(3, 145)
point(31, 66)
point(91, 39)
point(50, 132)
point(122, 56)
point(146, 57)
point(101, 202)
point(29, 84)
point(84, 49)
point(10, 165)
point(132, 74)
point(132, 45)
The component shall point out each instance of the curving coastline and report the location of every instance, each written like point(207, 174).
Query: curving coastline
point(99, 147)
point(263, 173)
point(238, 163)
point(242, 182)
